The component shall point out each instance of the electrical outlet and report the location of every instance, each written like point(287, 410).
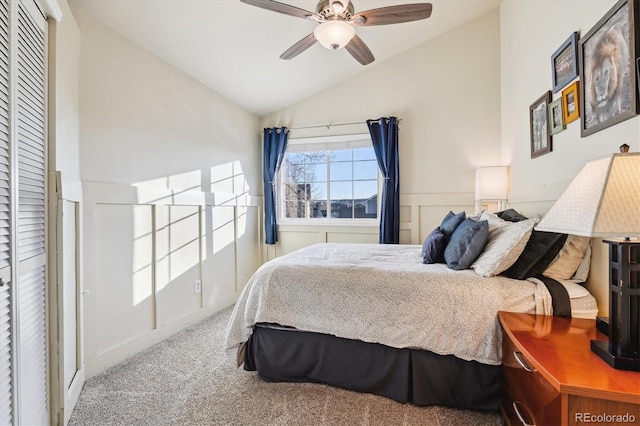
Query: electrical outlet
point(197, 286)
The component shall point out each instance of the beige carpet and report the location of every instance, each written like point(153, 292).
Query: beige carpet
point(189, 379)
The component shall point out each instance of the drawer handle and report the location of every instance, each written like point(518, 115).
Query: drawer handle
point(517, 410)
point(519, 357)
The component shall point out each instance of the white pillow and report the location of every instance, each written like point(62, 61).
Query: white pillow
point(506, 243)
point(574, 289)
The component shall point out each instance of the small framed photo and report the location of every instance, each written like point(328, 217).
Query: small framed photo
point(564, 63)
point(539, 125)
point(556, 122)
point(608, 53)
point(571, 103)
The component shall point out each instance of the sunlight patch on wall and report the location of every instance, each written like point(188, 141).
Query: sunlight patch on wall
point(177, 242)
point(188, 181)
point(142, 250)
point(230, 186)
point(155, 190)
point(223, 227)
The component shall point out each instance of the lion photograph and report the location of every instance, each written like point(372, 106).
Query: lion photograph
point(607, 71)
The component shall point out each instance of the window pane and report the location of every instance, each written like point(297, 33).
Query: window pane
point(294, 171)
point(365, 189)
point(318, 191)
point(364, 154)
point(341, 191)
point(319, 209)
point(365, 170)
point(341, 155)
point(341, 171)
point(297, 191)
point(315, 157)
point(316, 173)
point(295, 157)
point(290, 193)
point(342, 210)
point(366, 209)
point(295, 209)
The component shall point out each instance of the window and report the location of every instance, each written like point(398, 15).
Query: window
point(329, 179)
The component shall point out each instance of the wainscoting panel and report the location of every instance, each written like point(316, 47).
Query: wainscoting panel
point(177, 252)
point(219, 279)
point(158, 260)
point(124, 275)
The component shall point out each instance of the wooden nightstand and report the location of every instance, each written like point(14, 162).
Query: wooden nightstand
point(551, 377)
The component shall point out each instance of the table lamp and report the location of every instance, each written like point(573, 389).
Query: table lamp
point(491, 186)
point(603, 200)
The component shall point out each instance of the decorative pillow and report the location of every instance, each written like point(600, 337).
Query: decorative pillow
point(466, 244)
point(539, 252)
point(451, 222)
point(568, 259)
point(511, 215)
point(574, 289)
point(433, 247)
point(582, 273)
point(506, 243)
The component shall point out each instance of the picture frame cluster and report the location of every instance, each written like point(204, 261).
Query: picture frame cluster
point(607, 61)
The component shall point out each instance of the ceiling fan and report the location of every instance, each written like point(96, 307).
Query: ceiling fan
point(337, 24)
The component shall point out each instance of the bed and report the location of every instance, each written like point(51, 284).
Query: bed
point(374, 318)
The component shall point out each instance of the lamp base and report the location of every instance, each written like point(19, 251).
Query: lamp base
point(602, 325)
point(601, 348)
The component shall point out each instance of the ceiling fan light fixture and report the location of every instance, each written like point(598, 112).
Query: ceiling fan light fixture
point(333, 34)
point(338, 6)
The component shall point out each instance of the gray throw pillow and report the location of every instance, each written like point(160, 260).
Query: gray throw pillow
point(451, 222)
point(466, 244)
point(434, 246)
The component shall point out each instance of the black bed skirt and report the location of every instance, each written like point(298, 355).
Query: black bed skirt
point(405, 375)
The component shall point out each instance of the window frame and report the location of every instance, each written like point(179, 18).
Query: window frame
point(326, 221)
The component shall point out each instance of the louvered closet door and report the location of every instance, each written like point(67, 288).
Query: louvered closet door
point(30, 135)
point(23, 345)
point(6, 311)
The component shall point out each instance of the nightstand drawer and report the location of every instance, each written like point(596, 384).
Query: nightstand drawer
point(528, 397)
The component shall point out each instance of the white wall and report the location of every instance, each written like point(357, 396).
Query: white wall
point(143, 119)
point(530, 32)
point(447, 94)
point(169, 168)
point(64, 125)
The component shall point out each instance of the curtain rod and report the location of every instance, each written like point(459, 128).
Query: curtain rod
point(328, 126)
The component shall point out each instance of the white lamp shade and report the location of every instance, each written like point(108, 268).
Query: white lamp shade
point(491, 183)
point(603, 200)
point(334, 35)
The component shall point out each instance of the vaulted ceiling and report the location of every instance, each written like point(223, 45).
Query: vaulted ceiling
point(234, 48)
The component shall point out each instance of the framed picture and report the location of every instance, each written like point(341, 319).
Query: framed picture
point(608, 55)
point(539, 125)
point(570, 104)
point(564, 63)
point(556, 122)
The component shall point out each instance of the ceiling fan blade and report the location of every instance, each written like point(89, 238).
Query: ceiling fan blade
point(360, 51)
point(286, 9)
point(299, 47)
point(393, 14)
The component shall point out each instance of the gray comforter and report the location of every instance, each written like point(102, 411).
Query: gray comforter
point(384, 294)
